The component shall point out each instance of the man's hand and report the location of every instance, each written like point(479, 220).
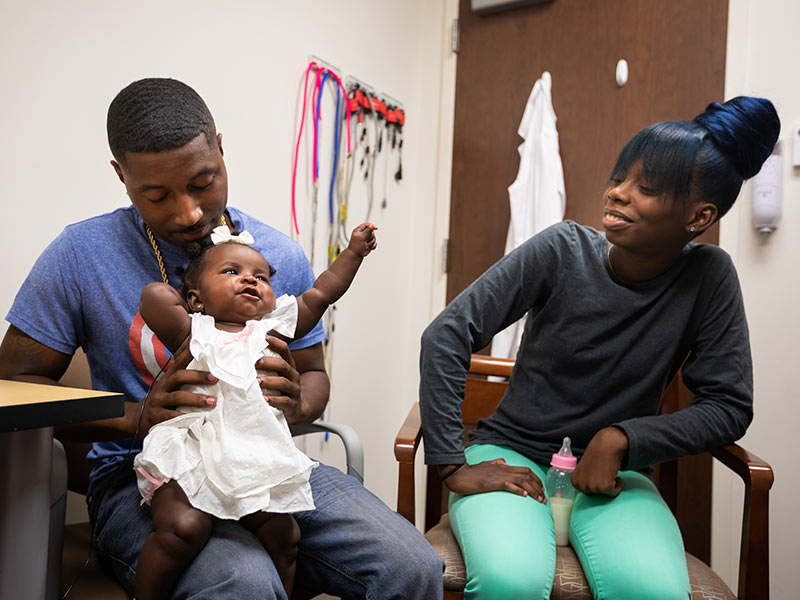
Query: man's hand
point(363, 240)
point(166, 394)
point(494, 475)
point(597, 470)
point(286, 382)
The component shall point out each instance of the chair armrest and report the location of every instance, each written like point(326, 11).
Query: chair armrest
point(755, 471)
point(491, 365)
point(407, 440)
point(353, 449)
point(754, 555)
point(405, 450)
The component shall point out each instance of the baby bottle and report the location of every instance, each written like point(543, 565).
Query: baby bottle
point(560, 491)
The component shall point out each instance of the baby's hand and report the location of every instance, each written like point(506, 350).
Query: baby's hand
point(363, 240)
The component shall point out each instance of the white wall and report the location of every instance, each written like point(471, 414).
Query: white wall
point(64, 62)
point(763, 47)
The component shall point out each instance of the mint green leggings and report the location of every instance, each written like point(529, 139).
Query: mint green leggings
point(629, 546)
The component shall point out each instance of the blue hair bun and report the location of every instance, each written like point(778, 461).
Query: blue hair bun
point(744, 129)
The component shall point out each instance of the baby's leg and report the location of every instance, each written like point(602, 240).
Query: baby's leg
point(180, 532)
point(280, 536)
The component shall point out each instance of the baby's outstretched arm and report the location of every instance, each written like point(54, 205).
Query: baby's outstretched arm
point(165, 312)
point(334, 281)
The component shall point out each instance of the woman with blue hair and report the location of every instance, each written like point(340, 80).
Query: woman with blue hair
point(612, 317)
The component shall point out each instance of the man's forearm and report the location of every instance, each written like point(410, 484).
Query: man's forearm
point(315, 390)
point(104, 429)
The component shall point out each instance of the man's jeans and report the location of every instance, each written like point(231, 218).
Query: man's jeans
point(352, 546)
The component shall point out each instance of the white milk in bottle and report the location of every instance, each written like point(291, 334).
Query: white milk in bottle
point(560, 492)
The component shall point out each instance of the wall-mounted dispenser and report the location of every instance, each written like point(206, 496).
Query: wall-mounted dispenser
point(767, 189)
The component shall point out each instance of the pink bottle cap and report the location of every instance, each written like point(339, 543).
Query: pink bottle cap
point(563, 459)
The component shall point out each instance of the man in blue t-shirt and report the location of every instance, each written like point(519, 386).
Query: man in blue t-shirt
point(84, 291)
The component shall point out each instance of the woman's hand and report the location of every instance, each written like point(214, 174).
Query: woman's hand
point(286, 381)
point(494, 475)
point(166, 394)
point(597, 470)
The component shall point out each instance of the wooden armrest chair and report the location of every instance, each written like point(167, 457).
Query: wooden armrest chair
point(481, 398)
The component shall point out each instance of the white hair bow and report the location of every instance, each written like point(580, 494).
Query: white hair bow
point(223, 235)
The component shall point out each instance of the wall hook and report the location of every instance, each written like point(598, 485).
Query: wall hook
point(622, 72)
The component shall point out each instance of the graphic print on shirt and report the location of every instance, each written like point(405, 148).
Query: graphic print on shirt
point(148, 353)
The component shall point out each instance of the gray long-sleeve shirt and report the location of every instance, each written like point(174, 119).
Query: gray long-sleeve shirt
point(595, 352)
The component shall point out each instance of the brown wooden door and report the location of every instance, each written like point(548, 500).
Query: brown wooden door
point(675, 50)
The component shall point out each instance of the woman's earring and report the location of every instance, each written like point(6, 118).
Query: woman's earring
point(691, 229)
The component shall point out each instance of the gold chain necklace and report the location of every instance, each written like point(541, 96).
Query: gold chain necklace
point(157, 252)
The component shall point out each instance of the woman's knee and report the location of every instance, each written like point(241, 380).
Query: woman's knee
point(630, 547)
point(508, 580)
point(643, 587)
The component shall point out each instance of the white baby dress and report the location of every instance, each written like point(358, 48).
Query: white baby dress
point(238, 457)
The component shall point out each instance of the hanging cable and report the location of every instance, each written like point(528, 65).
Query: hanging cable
point(377, 129)
point(345, 179)
point(337, 127)
point(333, 214)
point(311, 65)
point(316, 101)
point(370, 157)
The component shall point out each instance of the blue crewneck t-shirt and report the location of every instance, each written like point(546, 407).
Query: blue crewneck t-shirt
point(84, 291)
